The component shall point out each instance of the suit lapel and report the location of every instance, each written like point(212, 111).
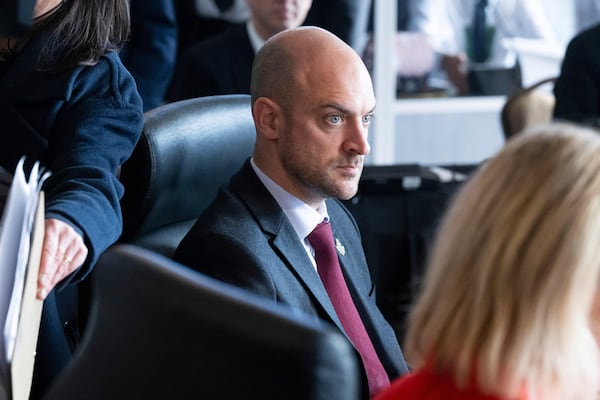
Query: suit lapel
point(285, 241)
point(287, 244)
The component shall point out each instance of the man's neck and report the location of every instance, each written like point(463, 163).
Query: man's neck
point(317, 204)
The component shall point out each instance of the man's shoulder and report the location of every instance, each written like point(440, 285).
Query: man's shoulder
point(226, 216)
point(227, 210)
point(237, 223)
point(232, 211)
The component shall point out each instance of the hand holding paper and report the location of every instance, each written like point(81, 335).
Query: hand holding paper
point(63, 252)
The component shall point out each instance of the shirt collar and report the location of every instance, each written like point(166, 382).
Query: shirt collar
point(303, 217)
point(255, 40)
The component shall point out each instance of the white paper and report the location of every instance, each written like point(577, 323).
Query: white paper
point(23, 360)
point(15, 241)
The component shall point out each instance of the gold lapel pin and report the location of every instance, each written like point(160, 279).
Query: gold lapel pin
point(340, 247)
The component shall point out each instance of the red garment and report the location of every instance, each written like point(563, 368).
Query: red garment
point(424, 384)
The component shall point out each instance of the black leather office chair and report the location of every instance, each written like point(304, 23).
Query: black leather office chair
point(188, 149)
point(159, 330)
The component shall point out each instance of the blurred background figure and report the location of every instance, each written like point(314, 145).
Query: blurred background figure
point(469, 32)
point(151, 52)
point(222, 64)
point(509, 304)
point(199, 20)
point(202, 19)
point(347, 19)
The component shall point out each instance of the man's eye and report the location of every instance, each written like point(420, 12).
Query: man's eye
point(366, 119)
point(335, 119)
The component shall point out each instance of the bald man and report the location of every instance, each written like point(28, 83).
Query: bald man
point(312, 103)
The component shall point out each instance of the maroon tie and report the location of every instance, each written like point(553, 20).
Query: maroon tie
point(328, 266)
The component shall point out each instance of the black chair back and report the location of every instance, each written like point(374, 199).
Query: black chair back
point(158, 330)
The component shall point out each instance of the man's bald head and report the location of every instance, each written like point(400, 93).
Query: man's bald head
point(290, 57)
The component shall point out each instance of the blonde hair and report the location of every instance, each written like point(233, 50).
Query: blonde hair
point(507, 295)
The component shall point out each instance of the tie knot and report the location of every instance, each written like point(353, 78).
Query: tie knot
point(321, 236)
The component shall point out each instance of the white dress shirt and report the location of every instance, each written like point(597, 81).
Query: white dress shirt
point(255, 40)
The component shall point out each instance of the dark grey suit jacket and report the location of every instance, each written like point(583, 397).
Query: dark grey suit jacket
point(244, 238)
point(219, 65)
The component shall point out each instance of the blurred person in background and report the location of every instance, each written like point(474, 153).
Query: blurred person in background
point(451, 27)
point(222, 64)
point(151, 52)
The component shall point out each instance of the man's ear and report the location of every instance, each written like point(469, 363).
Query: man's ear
point(267, 117)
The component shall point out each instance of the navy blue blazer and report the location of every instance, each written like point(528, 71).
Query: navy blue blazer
point(219, 65)
point(245, 239)
point(82, 124)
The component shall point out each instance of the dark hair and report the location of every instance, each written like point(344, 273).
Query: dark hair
point(81, 31)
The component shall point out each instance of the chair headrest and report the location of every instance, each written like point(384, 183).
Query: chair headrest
point(188, 149)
